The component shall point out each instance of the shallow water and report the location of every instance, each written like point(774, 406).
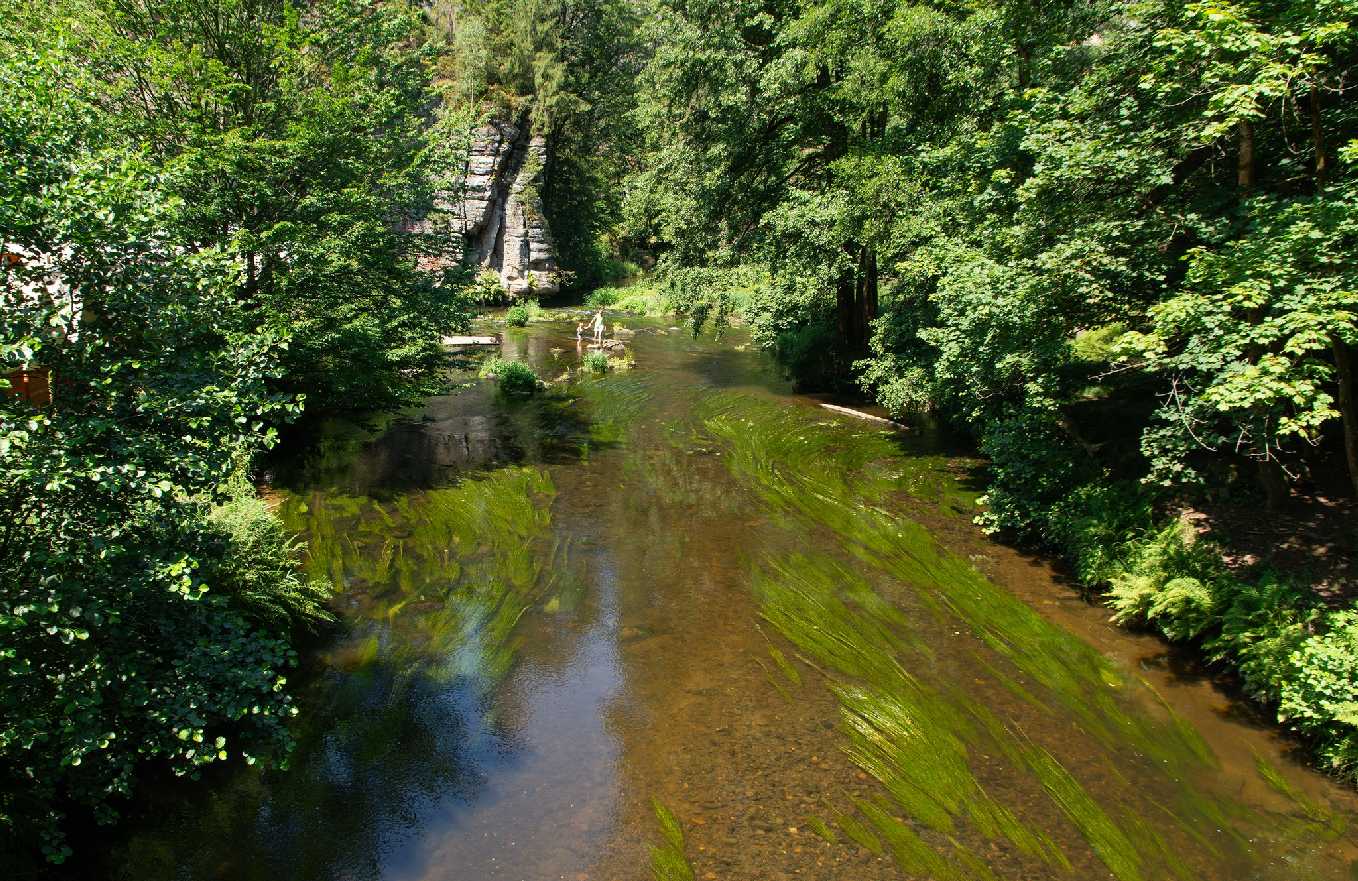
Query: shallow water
point(678, 621)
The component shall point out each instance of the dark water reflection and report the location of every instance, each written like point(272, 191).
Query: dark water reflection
point(638, 587)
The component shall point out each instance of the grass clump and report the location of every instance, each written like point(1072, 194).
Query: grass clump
point(514, 378)
point(595, 362)
point(640, 298)
point(524, 312)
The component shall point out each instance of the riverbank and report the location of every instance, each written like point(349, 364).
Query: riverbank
point(1288, 645)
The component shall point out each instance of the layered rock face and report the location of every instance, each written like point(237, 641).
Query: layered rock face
point(500, 214)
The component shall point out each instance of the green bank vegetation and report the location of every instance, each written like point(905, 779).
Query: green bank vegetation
point(198, 202)
point(1112, 240)
point(513, 378)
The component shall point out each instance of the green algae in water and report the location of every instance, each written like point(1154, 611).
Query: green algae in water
point(856, 832)
point(822, 477)
point(822, 829)
point(785, 665)
point(912, 739)
point(1112, 845)
point(916, 856)
point(454, 568)
point(668, 861)
point(1315, 820)
point(614, 402)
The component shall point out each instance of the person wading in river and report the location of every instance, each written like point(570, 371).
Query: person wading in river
point(599, 327)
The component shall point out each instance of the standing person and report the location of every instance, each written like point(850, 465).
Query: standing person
point(579, 331)
point(599, 327)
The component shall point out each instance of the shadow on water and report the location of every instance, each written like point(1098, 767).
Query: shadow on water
point(452, 435)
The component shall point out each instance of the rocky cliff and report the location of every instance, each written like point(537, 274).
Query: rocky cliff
point(500, 213)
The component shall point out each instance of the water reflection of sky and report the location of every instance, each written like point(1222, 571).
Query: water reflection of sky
point(549, 795)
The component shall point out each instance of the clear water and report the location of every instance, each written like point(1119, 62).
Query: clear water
point(678, 621)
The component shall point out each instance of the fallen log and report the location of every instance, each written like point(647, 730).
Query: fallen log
point(861, 415)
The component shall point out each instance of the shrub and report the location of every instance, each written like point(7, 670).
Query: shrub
point(1264, 622)
point(517, 316)
point(1182, 607)
point(515, 379)
point(1093, 524)
point(642, 301)
point(1170, 583)
point(595, 361)
point(1033, 467)
point(256, 565)
point(1321, 696)
point(602, 298)
point(486, 289)
point(810, 354)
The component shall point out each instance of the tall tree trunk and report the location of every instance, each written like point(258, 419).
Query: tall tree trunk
point(1317, 136)
point(1274, 482)
point(1245, 158)
point(1344, 359)
point(846, 290)
point(867, 296)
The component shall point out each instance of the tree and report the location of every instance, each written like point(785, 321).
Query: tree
point(115, 652)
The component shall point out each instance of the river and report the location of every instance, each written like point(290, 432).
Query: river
point(676, 621)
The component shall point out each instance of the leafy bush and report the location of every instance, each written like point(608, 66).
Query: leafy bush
point(1091, 526)
point(486, 289)
point(1321, 697)
point(135, 630)
point(517, 316)
point(515, 378)
point(602, 298)
point(1183, 607)
point(1262, 624)
point(640, 300)
point(256, 565)
point(1168, 582)
point(810, 355)
point(595, 361)
point(1032, 468)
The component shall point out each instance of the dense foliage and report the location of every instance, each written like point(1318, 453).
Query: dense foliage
point(1113, 238)
point(200, 208)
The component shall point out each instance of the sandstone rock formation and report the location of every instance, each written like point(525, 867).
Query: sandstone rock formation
point(500, 214)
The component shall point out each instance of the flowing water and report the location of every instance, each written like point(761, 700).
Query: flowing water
point(678, 622)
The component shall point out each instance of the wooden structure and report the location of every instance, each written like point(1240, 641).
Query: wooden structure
point(34, 385)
